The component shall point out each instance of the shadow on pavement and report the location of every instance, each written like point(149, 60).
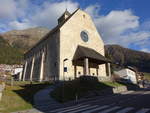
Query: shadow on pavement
point(75, 90)
point(28, 91)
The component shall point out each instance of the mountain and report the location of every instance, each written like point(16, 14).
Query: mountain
point(8, 54)
point(24, 39)
point(127, 57)
point(14, 43)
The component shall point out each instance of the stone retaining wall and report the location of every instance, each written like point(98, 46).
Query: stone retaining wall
point(103, 78)
point(119, 89)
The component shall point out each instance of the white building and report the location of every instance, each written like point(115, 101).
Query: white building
point(18, 70)
point(74, 45)
point(127, 74)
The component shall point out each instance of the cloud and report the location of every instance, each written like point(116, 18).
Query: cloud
point(20, 25)
point(145, 25)
point(117, 27)
point(50, 12)
point(121, 27)
point(22, 14)
point(115, 24)
point(7, 9)
point(93, 10)
point(145, 50)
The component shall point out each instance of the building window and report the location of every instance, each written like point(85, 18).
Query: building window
point(93, 73)
point(79, 72)
point(84, 36)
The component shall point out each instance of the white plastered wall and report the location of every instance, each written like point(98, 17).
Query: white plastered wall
point(70, 39)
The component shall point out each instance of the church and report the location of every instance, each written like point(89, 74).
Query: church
point(72, 49)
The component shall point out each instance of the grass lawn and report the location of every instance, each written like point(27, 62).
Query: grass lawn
point(70, 89)
point(19, 96)
point(147, 76)
point(112, 84)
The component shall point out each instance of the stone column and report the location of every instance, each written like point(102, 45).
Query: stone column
point(42, 66)
point(24, 72)
point(86, 66)
point(20, 76)
point(97, 71)
point(32, 67)
point(75, 71)
point(108, 69)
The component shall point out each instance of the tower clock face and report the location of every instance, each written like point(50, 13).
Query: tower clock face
point(84, 36)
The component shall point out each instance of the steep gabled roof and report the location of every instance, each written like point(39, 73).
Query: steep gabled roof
point(84, 52)
point(51, 32)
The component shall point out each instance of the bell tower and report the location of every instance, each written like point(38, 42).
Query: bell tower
point(64, 16)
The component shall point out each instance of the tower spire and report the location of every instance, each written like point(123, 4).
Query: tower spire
point(64, 16)
point(66, 9)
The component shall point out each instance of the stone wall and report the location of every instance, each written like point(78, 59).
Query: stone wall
point(119, 89)
point(52, 59)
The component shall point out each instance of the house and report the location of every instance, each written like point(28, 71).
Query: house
point(18, 72)
point(140, 76)
point(11, 70)
point(72, 49)
point(128, 74)
point(6, 69)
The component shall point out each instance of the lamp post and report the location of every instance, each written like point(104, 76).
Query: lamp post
point(64, 70)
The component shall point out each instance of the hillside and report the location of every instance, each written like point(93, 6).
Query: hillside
point(14, 43)
point(24, 39)
point(8, 54)
point(127, 57)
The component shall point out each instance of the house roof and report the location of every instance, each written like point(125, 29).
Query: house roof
point(94, 56)
point(52, 31)
point(131, 68)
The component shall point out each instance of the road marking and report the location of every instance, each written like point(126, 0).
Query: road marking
point(84, 109)
point(101, 99)
point(146, 92)
point(132, 93)
point(125, 110)
point(75, 108)
point(93, 110)
point(144, 110)
point(127, 92)
point(65, 108)
point(109, 110)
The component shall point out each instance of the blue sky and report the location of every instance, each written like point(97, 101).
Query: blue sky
point(124, 22)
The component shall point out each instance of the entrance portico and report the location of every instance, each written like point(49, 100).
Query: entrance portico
point(90, 60)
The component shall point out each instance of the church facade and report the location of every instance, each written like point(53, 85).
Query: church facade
point(72, 49)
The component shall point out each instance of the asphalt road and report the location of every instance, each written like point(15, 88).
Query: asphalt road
point(128, 102)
